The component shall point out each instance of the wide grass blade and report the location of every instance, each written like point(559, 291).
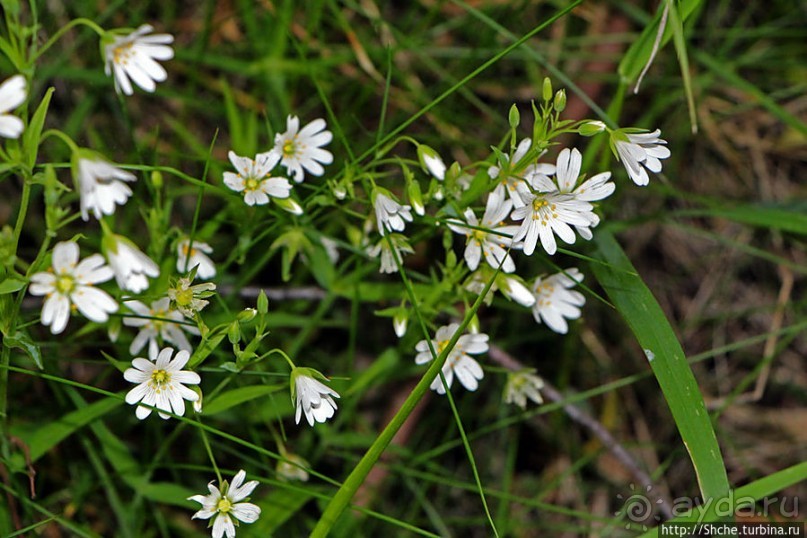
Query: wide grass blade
point(636, 303)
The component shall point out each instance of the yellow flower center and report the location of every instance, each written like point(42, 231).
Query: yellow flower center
point(289, 148)
point(65, 284)
point(122, 53)
point(184, 297)
point(251, 184)
point(479, 235)
point(538, 203)
point(224, 505)
point(159, 378)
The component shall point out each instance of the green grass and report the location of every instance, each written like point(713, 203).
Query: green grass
point(704, 268)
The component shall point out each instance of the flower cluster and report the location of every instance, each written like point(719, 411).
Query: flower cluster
point(526, 197)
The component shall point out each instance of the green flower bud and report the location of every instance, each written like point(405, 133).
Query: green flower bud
point(514, 117)
point(591, 128)
point(560, 101)
point(547, 89)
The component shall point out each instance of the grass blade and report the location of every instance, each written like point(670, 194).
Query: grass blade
point(643, 314)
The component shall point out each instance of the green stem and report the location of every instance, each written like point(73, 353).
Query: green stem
point(61, 136)
point(348, 489)
point(63, 30)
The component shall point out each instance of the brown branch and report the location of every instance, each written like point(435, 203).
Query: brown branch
point(590, 423)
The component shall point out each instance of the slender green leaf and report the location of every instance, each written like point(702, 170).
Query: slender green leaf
point(32, 134)
point(756, 215)
point(22, 341)
point(639, 53)
point(643, 314)
point(240, 395)
point(45, 438)
point(10, 285)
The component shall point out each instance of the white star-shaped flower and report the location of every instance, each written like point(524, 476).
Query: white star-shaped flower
point(555, 302)
point(459, 361)
point(489, 237)
point(228, 505)
point(12, 95)
point(101, 184)
point(69, 283)
point(640, 151)
point(134, 56)
point(198, 257)
point(311, 397)
point(301, 149)
point(566, 176)
point(547, 214)
point(130, 265)
point(158, 321)
point(161, 383)
point(254, 178)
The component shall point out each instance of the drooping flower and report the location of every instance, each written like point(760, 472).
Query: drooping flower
point(397, 246)
point(69, 283)
point(161, 383)
point(459, 361)
point(190, 299)
point(134, 56)
point(130, 265)
point(311, 397)
point(158, 321)
point(510, 285)
point(522, 386)
point(292, 468)
point(254, 178)
point(101, 184)
point(199, 258)
point(566, 175)
point(301, 149)
point(489, 237)
point(12, 94)
point(638, 150)
point(228, 505)
point(389, 214)
point(555, 302)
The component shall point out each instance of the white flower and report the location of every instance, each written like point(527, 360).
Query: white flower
point(69, 283)
point(130, 265)
point(254, 179)
point(101, 184)
point(311, 397)
point(489, 237)
point(400, 245)
point(227, 506)
point(523, 385)
point(458, 361)
point(566, 175)
point(554, 300)
point(158, 320)
point(638, 151)
point(133, 57)
point(190, 299)
point(512, 177)
point(303, 149)
point(198, 257)
point(389, 214)
point(12, 95)
point(161, 383)
point(547, 214)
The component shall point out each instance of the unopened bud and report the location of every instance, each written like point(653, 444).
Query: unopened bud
point(514, 117)
point(547, 93)
point(591, 128)
point(560, 101)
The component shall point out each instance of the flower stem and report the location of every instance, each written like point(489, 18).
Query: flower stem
point(63, 30)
